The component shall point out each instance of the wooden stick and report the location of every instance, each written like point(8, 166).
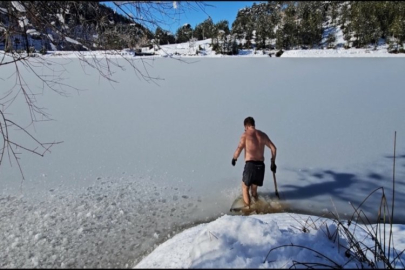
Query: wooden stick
point(275, 184)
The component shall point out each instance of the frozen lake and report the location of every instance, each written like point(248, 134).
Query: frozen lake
point(140, 161)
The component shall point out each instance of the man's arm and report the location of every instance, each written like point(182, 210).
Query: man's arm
point(273, 149)
point(240, 147)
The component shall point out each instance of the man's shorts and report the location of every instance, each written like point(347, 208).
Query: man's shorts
point(253, 174)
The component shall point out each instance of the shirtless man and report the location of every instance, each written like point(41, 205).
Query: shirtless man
point(253, 141)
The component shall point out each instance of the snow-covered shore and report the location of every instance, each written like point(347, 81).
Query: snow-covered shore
point(246, 242)
point(203, 48)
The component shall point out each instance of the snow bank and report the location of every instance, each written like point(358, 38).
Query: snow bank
point(260, 241)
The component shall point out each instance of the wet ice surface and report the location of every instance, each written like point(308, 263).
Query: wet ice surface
point(110, 224)
point(332, 124)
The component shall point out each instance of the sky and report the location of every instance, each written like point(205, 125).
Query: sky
point(218, 10)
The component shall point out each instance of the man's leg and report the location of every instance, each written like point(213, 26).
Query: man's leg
point(245, 193)
point(254, 192)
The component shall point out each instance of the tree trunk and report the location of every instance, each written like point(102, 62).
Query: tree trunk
point(8, 44)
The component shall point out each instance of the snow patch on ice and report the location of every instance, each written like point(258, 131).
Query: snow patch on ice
point(105, 225)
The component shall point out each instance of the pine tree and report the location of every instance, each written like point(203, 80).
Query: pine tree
point(311, 17)
point(204, 30)
point(163, 36)
point(262, 31)
point(184, 33)
point(397, 27)
point(243, 26)
point(288, 33)
point(221, 31)
point(331, 40)
point(224, 26)
point(333, 10)
point(279, 39)
point(385, 13)
point(365, 26)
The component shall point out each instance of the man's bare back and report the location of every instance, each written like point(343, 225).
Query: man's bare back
point(254, 142)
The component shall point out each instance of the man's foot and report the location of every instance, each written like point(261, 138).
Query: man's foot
point(246, 209)
point(246, 206)
point(255, 197)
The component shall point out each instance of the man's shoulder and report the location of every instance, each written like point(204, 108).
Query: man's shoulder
point(262, 134)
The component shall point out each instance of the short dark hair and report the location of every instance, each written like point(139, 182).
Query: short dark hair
point(249, 121)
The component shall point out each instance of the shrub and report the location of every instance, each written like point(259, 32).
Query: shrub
point(331, 39)
point(279, 53)
point(215, 47)
point(43, 50)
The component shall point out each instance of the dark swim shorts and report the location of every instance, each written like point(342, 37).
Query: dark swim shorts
point(253, 174)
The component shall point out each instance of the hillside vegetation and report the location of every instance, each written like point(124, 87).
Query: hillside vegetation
point(283, 25)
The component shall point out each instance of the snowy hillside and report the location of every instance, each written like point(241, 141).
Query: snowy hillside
point(91, 26)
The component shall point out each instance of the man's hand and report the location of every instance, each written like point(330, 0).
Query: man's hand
point(273, 166)
point(233, 162)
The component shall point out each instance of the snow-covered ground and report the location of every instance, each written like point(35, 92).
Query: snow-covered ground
point(269, 241)
point(203, 48)
point(140, 162)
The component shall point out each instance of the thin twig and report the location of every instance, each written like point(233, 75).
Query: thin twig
point(303, 247)
point(393, 196)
